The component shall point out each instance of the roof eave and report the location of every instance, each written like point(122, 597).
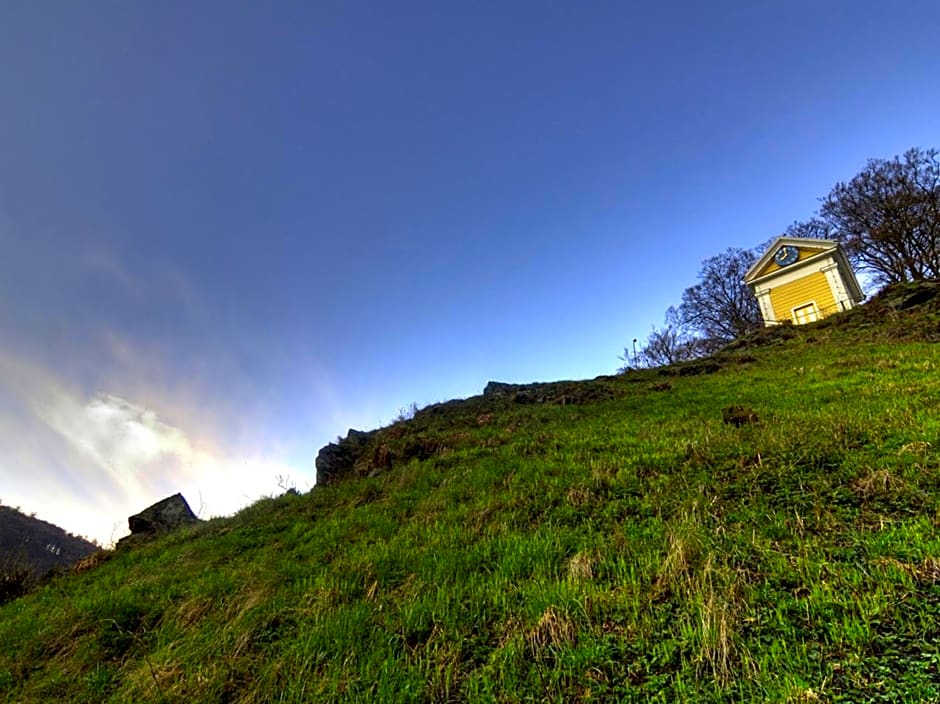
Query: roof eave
point(823, 245)
point(783, 270)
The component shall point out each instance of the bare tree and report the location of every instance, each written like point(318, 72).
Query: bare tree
point(716, 310)
point(814, 228)
point(664, 346)
point(720, 307)
point(888, 217)
point(671, 343)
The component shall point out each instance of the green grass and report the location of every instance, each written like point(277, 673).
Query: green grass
point(636, 549)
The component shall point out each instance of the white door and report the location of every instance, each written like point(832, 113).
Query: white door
point(805, 314)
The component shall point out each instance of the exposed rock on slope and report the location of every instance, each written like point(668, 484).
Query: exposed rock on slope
point(364, 453)
point(162, 517)
point(340, 457)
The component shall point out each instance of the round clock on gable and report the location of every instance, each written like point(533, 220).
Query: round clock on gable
point(786, 255)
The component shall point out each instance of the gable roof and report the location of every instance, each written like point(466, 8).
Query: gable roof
point(821, 246)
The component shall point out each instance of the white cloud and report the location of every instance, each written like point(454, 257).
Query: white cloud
point(126, 442)
point(86, 463)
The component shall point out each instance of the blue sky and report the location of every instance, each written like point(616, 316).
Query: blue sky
point(231, 231)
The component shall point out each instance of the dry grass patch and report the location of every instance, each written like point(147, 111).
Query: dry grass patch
point(554, 630)
point(877, 481)
point(92, 561)
point(683, 553)
point(717, 618)
point(918, 448)
point(925, 572)
point(580, 496)
point(191, 611)
point(581, 566)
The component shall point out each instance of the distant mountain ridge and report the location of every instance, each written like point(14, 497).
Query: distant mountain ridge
point(40, 546)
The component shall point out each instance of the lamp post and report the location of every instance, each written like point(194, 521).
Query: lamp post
point(635, 363)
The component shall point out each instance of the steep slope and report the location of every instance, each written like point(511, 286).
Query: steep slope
point(758, 527)
point(30, 548)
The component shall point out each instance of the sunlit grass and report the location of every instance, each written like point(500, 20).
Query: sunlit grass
point(635, 549)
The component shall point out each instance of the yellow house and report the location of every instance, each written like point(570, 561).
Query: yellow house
point(799, 280)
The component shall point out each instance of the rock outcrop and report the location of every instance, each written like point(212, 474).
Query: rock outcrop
point(162, 517)
point(369, 453)
point(910, 295)
point(340, 457)
point(497, 389)
point(563, 393)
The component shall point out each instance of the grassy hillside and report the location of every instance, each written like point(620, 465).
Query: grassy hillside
point(36, 545)
point(624, 544)
point(30, 548)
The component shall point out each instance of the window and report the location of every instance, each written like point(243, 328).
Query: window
point(805, 314)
